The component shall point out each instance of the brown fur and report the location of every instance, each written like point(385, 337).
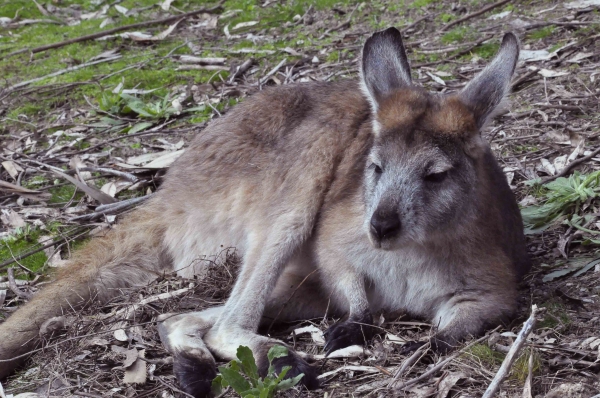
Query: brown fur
point(289, 177)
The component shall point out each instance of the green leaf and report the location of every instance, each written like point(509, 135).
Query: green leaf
point(289, 383)
point(277, 351)
point(139, 127)
point(235, 380)
point(588, 267)
point(216, 386)
point(249, 367)
point(282, 374)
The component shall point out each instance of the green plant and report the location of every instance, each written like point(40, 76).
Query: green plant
point(242, 375)
point(541, 33)
point(563, 197)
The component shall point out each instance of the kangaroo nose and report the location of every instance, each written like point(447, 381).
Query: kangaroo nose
point(385, 225)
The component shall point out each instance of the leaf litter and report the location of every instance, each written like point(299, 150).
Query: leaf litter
point(139, 130)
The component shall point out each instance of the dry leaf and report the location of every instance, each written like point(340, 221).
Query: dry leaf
point(12, 219)
point(137, 36)
point(121, 9)
point(552, 73)
point(315, 333)
point(166, 5)
point(12, 168)
point(90, 191)
point(97, 341)
point(136, 373)
point(120, 335)
point(579, 57)
point(130, 357)
point(582, 4)
point(448, 382)
point(560, 162)
point(435, 78)
point(500, 15)
point(535, 55)
point(244, 25)
point(12, 188)
point(190, 59)
point(548, 167)
point(164, 161)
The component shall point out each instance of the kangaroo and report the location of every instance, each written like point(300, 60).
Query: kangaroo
point(345, 198)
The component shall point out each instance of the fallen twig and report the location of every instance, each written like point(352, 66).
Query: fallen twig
point(512, 354)
point(408, 362)
point(63, 71)
point(570, 166)
point(442, 364)
point(474, 14)
point(458, 54)
point(111, 208)
point(14, 288)
point(116, 30)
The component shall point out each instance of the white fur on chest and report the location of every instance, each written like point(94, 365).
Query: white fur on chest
point(407, 279)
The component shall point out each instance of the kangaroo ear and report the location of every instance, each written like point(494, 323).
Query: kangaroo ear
point(485, 92)
point(384, 65)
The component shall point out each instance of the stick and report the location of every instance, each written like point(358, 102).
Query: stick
point(475, 14)
point(458, 54)
point(570, 166)
point(111, 208)
point(15, 289)
point(408, 362)
point(116, 30)
point(442, 364)
point(512, 354)
point(62, 71)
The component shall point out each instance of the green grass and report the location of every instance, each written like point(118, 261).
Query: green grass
point(541, 33)
point(21, 241)
point(556, 315)
point(485, 355)
point(455, 35)
point(520, 369)
point(421, 3)
point(487, 50)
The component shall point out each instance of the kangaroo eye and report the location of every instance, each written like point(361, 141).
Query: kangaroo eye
point(376, 168)
point(436, 177)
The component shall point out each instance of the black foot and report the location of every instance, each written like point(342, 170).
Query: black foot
point(347, 333)
point(195, 376)
point(298, 366)
point(411, 346)
point(438, 345)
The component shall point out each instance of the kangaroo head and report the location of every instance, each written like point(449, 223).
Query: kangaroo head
point(421, 176)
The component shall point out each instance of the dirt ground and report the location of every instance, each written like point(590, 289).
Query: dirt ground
point(87, 130)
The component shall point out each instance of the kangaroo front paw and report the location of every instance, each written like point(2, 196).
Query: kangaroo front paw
point(194, 375)
point(347, 333)
point(298, 366)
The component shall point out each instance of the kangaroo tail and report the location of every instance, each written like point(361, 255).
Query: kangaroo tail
point(129, 255)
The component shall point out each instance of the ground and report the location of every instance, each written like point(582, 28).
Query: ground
point(98, 121)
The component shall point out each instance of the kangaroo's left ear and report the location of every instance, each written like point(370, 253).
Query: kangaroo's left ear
point(385, 66)
point(485, 92)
